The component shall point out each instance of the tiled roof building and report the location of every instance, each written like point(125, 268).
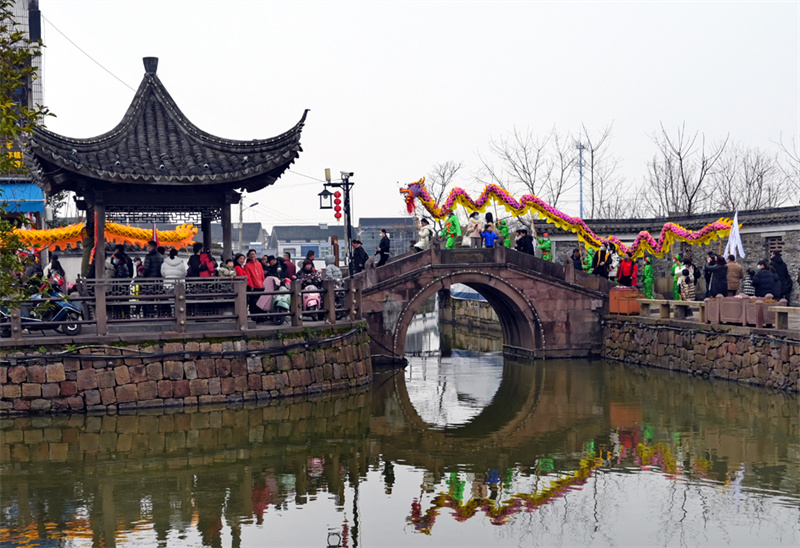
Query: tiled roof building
point(156, 166)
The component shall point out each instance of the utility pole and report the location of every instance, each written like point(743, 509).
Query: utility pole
point(580, 148)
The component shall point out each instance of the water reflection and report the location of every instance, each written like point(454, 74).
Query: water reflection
point(563, 452)
point(452, 391)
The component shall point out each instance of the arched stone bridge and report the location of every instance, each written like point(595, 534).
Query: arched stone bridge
point(545, 309)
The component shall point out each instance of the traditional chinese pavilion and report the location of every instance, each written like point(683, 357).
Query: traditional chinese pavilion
point(156, 166)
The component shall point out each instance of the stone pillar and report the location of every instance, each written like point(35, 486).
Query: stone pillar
point(227, 244)
point(205, 224)
point(446, 326)
point(100, 239)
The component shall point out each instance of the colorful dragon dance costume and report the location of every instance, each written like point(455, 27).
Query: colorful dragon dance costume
point(502, 225)
point(529, 204)
point(647, 278)
point(547, 248)
point(451, 230)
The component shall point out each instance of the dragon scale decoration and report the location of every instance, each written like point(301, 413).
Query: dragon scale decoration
point(644, 242)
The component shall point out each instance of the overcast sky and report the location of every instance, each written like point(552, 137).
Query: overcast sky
point(395, 88)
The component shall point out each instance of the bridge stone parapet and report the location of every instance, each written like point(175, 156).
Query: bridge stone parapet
point(545, 309)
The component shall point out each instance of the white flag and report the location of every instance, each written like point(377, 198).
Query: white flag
point(735, 239)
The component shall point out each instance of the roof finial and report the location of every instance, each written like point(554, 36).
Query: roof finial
point(150, 64)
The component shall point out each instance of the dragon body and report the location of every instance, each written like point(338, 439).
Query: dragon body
point(70, 236)
point(644, 242)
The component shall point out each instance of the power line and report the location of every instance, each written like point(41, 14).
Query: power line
point(86, 54)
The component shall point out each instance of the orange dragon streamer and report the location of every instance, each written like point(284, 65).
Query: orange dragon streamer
point(71, 236)
point(644, 242)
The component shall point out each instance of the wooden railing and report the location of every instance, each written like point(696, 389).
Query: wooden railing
point(175, 305)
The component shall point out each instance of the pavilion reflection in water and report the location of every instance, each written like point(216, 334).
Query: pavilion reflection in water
point(212, 475)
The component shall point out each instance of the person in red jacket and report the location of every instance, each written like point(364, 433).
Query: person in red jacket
point(626, 274)
point(255, 280)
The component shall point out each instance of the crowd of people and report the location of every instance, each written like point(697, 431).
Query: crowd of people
point(722, 275)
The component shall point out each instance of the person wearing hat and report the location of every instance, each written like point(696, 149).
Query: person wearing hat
point(360, 256)
point(451, 230)
point(502, 227)
point(545, 245)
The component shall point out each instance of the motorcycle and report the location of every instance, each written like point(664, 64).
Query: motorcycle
point(282, 302)
point(44, 315)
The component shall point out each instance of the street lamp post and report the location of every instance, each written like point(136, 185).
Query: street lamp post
point(241, 223)
point(325, 203)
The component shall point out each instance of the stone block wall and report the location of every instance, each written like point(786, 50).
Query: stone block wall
point(751, 356)
point(184, 372)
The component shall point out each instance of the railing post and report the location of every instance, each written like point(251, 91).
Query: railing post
point(296, 304)
point(436, 253)
point(16, 323)
point(329, 300)
point(180, 306)
point(100, 312)
point(357, 304)
point(240, 303)
point(349, 299)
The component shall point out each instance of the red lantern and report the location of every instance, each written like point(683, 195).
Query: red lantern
point(337, 194)
point(337, 215)
point(337, 201)
point(337, 208)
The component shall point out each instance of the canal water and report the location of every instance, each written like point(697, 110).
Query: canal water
point(467, 450)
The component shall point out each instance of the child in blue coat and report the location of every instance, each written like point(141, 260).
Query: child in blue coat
point(489, 236)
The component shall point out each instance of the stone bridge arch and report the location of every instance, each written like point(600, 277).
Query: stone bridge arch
point(518, 318)
point(545, 309)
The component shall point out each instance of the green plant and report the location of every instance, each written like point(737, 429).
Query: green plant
point(16, 121)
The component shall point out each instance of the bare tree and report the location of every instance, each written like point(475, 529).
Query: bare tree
point(678, 174)
point(747, 178)
point(439, 182)
point(522, 162)
point(790, 167)
point(605, 187)
point(561, 169)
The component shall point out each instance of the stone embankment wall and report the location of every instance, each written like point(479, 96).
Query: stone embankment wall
point(753, 356)
point(184, 372)
point(475, 314)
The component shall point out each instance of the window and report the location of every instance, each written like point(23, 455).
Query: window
point(773, 243)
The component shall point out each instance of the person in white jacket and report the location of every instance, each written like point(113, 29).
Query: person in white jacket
point(425, 234)
point(172, 268)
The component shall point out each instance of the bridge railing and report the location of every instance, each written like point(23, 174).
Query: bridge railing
point(140, 305)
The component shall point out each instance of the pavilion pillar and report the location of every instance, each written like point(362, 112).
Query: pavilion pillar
point(205, 224)
point(100, 238)
point(227, 247)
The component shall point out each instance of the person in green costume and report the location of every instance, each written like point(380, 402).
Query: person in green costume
point(451, 230)
point(677, 270)
point(502, 225)
point(546, 246)
point(647, 278)
point(588, 259)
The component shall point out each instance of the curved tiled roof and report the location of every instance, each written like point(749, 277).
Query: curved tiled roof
point(156, 144)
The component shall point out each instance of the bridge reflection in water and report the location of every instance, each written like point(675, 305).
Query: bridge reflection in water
point(563, 452)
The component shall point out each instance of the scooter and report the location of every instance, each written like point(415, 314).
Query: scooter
point(313, 302)
point(282, 302)
point(43, 315)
